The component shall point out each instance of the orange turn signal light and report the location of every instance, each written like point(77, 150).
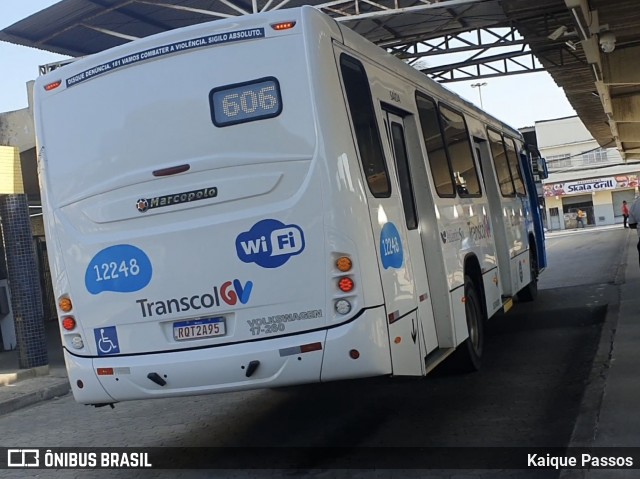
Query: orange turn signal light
point(344, 264)
point(65, 304)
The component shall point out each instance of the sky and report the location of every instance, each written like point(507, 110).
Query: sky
point(519, 100)
point(19, 64)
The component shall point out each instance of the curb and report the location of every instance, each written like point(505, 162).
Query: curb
point(22, 374)
point(586, 426)
point(28, 399)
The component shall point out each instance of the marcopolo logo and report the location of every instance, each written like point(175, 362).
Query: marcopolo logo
point(145, 204)
point(270, 243)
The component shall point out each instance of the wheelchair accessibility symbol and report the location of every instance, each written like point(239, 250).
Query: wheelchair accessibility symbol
point(106, 340)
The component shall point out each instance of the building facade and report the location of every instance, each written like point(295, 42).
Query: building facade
point(582, 175)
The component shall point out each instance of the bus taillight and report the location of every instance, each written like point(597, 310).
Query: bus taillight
point(69, 323)
point(345, 284)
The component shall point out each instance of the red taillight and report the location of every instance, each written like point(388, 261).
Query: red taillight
point(68, 323)
point(53, 86)
point(345, 284)
point(105, 371)
point(283, 25)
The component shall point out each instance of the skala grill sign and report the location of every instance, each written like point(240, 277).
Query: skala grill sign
point(270, 243)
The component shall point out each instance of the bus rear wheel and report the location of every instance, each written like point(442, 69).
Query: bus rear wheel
point(468, 356)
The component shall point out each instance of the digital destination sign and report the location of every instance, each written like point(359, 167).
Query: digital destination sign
point(243, 102)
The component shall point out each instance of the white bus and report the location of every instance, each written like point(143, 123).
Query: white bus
point(272, 200)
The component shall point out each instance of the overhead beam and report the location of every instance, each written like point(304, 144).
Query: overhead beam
point(200, 11)
point(457, 43)
point(486, 67)
point(110, 32)
point(123, 10)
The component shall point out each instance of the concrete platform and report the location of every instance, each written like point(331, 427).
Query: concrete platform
point(20, 388)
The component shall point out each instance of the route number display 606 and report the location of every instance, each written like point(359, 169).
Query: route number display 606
point(244, 102)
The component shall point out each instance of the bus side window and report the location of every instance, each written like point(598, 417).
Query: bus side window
point(500, 162)
point(404, 175)
point(460, 153)
point(514, 165)
point(356, 85)
point(434, 144)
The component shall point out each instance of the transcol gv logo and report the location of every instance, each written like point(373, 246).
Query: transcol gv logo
point(230, 292)
point(270, 243)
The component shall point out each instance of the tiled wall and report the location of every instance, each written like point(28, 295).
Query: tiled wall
point(10, 171)
point(26, 296)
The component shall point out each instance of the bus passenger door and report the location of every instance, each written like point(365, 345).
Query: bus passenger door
point(494, 298)
point(414, 336)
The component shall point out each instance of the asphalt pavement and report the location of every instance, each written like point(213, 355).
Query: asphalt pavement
point(610, 403)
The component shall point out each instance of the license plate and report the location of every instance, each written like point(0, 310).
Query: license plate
point(198, 328)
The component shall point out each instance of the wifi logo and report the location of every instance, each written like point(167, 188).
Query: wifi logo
point(270, 243)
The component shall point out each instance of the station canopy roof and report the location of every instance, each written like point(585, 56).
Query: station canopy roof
point(564, 37)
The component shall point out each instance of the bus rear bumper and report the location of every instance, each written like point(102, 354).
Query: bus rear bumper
point(303, 358)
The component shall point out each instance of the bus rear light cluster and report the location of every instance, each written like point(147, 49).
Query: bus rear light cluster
point(343, 264)
point(68, 322)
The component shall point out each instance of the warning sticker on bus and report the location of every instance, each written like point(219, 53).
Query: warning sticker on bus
point(151, 53)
